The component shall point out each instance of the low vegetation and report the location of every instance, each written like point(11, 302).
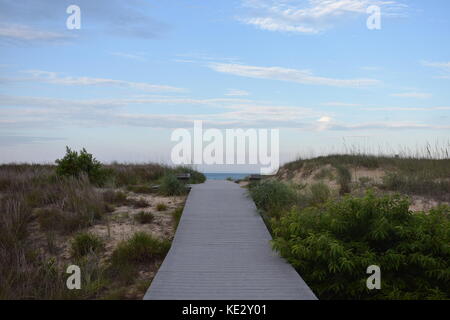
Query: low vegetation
point(331, 222)
point(52, 216)
point(144, 217)
point(85, 243)
point(161, 206)
point(171, 186)
point(142, 248)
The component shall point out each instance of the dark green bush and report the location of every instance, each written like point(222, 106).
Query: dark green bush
point(75, 164)
point(331, 246)
point(85, 243)
point(273, 196)
point(170, 186)
point(141, 248)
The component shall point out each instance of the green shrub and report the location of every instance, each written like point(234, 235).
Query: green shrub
point(320, 193)
point(170, 186)
point(161, 206)
point(141, 248)
point(75, 164)
point(144, 217)
point(273, 196)
point(331, 247)
point(344, 179)
point(85, 243)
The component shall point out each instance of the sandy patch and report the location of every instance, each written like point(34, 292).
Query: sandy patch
point(115, 227)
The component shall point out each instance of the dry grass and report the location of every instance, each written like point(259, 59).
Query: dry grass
point(42, 215)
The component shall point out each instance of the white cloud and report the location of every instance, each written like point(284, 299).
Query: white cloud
point(27, 33)
point(414, 95)
point(237, 93)
point(313, 17)
point(54, 78)
point(442, 67)
point(407, 109)
point(291, 75)
point(388, 126)
point(132, 56)
point(340, 104)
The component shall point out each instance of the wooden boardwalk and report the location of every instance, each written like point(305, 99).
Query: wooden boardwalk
point(221, 250)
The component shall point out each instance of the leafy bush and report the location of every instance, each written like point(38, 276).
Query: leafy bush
point(74, 164)
point(170, 186)
point(141, 248)
point(273, 196)
point(161, 206)
point(331, 247)
point(85, 243)
point(144, 217)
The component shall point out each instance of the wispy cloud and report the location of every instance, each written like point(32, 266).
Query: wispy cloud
point(388, 126)
point(442, 67)
point(26, 33)
point(237, 93)
point(39, 112)
point(313, 16)
point(407, 109)
point(132, 56)
point(340, 104)
point(291, 75)
point(55, 78)
point(112, 17)
point(12, 140)
point(413, 95)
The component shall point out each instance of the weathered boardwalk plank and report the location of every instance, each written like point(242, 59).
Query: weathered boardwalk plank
point(221, 250)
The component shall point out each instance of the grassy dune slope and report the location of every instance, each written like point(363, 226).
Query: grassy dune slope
point(117, 231)
point(333, 217)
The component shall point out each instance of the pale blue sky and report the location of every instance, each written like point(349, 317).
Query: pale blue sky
point(134, 72)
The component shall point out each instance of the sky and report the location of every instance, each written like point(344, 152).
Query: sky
point(137, 70)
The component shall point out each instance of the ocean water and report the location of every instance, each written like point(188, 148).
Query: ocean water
point(224, 176)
